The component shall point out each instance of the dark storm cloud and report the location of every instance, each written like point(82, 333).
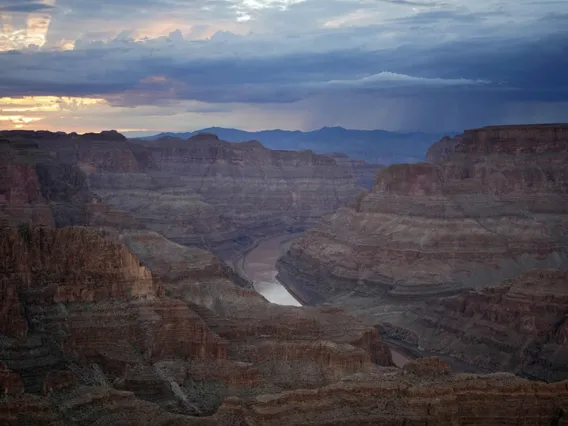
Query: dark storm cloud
point(532, 70)
point(434, 17)
point(436, 55)
point(414, 3)
point(23, 6)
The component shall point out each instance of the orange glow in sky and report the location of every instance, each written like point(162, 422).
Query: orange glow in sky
point(16, 34)
point(17, 113)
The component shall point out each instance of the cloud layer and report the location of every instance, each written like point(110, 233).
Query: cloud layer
point(397, 64)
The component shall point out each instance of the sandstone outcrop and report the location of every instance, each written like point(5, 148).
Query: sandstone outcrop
point(490, 206)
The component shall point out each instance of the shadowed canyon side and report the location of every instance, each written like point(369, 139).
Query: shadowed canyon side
point(491, 205)
point(85, 322)
point(98, 337)
point(41, 182)
point(202, 191)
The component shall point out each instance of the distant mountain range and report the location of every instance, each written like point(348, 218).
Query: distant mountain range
point(373, 146)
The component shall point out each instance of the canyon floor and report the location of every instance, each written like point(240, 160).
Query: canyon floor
point(259, 266)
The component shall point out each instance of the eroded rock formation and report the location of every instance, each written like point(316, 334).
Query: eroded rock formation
point(121, 326)
point(490, 206)
point(519, 326)
point(129, 355)
point(83, 316)
point(202, 191)
point(416, 396)
point(212, 193)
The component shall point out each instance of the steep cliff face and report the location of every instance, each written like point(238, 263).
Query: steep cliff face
point(518, 326)
point(37, 187)
point(201, 191)
point(80, 312)
point(21, 199)
point(221, 195)
point(491, 207)
point(485, 213)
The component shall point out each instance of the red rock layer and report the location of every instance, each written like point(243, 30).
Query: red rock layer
point(202, 192)
point(93, 315)
point(418, 395)
point(492, 207)
point(518, 326)
point(21, 200)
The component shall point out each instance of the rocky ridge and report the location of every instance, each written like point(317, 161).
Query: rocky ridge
point(519, 326)
point(157, 348)
point(202, 191)
point(490, 206)
point(84, 318)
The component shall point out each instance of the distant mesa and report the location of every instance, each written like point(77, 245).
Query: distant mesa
point(204, 136)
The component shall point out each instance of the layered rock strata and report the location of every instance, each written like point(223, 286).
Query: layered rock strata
point(519, 326)
point(485, 213)
point(490, 206)
point(42, 184)
point(221, 192)
point(86, 320)
point(201, 191)
point(21, 199)
point(129, 355)
point(422, 393)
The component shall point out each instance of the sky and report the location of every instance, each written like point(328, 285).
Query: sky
point(145, 66)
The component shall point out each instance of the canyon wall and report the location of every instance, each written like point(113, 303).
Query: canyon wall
point(92, 334)
point(225, 193)
point(87, 326)
point(41, 183)
point(116, 324)
point(489, 206)
point(519, 326)
point(202, 191)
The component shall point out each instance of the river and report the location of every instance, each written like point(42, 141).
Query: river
point(259, 266)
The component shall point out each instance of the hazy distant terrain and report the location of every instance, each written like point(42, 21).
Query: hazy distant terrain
point(373, 146)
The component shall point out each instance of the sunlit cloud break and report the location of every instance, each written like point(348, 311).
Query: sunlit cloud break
point(20, 112)
point(29, 30)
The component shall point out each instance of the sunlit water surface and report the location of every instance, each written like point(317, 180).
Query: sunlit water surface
point(260, 267)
